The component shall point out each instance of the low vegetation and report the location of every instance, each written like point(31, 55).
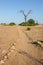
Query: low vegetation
point(8, 24)
point(12, 24)
point(30, 22)
point(4, 24)
point(23, 24)
point(28, 28)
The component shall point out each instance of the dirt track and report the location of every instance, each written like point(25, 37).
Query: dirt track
point(23, 53)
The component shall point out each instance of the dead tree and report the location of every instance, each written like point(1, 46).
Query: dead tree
point(25, 15)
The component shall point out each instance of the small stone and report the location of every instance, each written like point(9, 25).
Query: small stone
point(4, 52)
point(2, 61)
point(12, 48)
point(5, 57)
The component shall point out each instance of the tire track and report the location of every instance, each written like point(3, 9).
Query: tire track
point(29, 56)
point(24, 52)
point(12, 45)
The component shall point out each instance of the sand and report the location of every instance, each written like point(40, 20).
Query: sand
point(16, 47)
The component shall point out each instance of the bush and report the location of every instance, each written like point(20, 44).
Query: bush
point(23, 24)
point(28, 28)
point(12, 23)
point(30, 22)
point(4, 24)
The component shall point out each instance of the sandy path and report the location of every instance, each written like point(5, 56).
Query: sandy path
point(22, 45)
point(24, 53)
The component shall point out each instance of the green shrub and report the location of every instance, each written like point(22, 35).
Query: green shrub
point(12, 23)
point(30, 22)
point(23, 24)
point(28, 28)
point(4, 24)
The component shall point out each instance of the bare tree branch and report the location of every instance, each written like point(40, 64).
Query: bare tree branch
point(25, 16)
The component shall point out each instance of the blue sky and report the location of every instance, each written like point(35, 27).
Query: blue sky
point(9, 10)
